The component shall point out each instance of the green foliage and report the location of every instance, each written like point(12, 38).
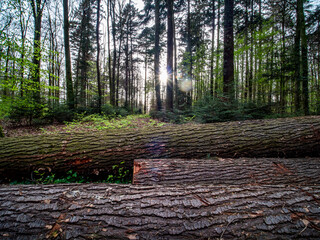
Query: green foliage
point(215, 109)
point(61, 113)
point(71, 177)
point(24, 110)
point(112, 112)
point(104, 122)
point(1, 132)
point(210, 109)
point(176, 116)
point(120, 174)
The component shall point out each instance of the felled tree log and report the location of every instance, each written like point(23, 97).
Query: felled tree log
point(93, 211)
point(96, 152)
point(270, 171)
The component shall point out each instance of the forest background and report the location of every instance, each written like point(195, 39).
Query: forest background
point(116, 57)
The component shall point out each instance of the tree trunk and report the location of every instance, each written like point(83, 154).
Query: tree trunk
point(169, 99)
point(98, 55)
point(105, 211)
point(243, 171)
point(70, 94)
point(297, 56)
point(109, 48)
point(304, 62)
point(99, 151)
point(283, 61)
point(37, 8)
point(112, 79)
point(228, 56)
point(157, 55)
point(212, 49)
point(218, 51)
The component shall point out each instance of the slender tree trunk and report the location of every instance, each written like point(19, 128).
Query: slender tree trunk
point(212, 49)
point(304, 60)
point(169, 99)
point(261, 85)
point(189, 95)
point(246, 93)
point(157, 55)
point(51, 67)
point(112, 82)
point(282, 77)
point(177, 93)
point(127, 80)
point(118, 64)
point(98, 55)
point(6, 73)
point(228, 56)
point(218, 52)
point(297, 55)
point(145, 81)
point(109, 47)
point(23, 32)
point(37, 7)
point(251, 87)
point(70, 95)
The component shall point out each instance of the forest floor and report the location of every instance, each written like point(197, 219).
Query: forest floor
point(84, 124)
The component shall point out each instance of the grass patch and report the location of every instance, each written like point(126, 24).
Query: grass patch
point(102, 122)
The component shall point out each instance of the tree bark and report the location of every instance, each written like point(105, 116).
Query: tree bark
point(69, 84)
point(169, 99)
point(106, 211)
point(212, 49)
point(243, 171)
point(228, 55)
point(37, 7)
point(98, 151)
point(98, 56)
point(157, 55)
point(304, 62)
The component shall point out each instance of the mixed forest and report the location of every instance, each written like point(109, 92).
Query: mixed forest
point(224, 60)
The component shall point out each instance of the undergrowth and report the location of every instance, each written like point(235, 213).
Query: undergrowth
point(103, 122)
point(119, 174)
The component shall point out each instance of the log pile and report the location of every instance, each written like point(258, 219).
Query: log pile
point(177, 196)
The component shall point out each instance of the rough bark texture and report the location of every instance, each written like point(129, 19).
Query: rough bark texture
point(94, 211)
point(99, 151)
point(228, 53)
point(66, 26)
point(243, 171)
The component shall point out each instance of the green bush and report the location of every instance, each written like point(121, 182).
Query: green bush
point(62, 113)
point(113, 112)
point(210, 109)
point(109, 110)
point(23, 110)
point(214, 109)
point(257, 111)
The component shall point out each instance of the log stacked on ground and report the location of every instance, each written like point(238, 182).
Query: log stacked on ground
point(243, 171)
point(98, 151)
point(105, 211)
